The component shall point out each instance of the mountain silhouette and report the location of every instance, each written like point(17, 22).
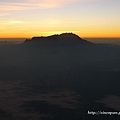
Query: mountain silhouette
point(62, 39)
point(59, 77)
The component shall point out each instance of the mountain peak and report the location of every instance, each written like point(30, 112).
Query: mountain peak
point(64, 39)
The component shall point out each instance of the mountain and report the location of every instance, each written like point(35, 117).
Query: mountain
point(59, 77)
point(62, 39)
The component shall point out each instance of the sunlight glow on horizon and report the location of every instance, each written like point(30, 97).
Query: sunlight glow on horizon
point(86, 18)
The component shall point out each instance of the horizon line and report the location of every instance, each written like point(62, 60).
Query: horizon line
point(47, 36)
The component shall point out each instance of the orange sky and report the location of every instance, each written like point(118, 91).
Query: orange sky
point(87, 18)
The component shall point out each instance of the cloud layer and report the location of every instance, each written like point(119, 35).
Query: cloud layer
point(32, 4)
point(35, 4)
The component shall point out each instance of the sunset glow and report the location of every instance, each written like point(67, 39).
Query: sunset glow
point(87, 18)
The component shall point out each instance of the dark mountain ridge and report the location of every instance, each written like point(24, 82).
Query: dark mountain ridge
point(43, 74)
point(62, 39)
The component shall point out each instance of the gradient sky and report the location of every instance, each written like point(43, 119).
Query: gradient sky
point(87, 18)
